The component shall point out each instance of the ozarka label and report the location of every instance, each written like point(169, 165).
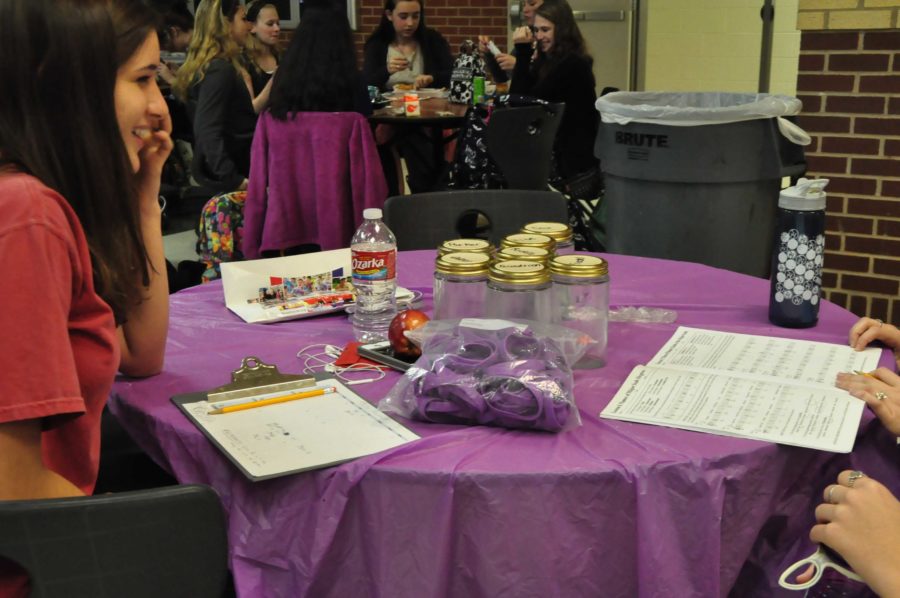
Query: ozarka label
point(374, 265)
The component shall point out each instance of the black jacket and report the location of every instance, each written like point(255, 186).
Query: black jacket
point(571, 81)
point(221, 111)
point(435, 52)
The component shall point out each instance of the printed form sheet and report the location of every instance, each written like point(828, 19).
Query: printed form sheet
point(779, 390)
point(299, 435)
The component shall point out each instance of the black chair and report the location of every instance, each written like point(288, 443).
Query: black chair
point(520, 141)
point(166, 541)
point(425, 220)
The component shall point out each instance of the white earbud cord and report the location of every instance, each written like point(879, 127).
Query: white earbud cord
point(320, 358)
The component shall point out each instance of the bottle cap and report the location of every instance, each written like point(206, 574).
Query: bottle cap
point(807, 195)
point(559, 232)
point(519, 272)
point(463, 264)
point(465, 245)
point(529, 254)
point(372, 213)
point(529, 240)
point(578, 265)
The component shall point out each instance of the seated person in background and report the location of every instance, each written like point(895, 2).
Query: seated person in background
point(175, 29)
point(312, 174)
point(860, 519)
point(319, 72)
point(508, 61)
point(561, 70)
point(404, 51)
point(261, 51)
point(217, 89)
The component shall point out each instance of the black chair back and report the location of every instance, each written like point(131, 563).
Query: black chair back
point(167, 541)
point(520, 141)
point(426, 220)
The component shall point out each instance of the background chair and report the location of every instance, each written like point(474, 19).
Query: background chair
point(166, 541)
point(425, 220)
point(520, 141)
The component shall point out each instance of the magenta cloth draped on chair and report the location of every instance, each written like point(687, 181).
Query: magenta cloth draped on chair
point(311, 176)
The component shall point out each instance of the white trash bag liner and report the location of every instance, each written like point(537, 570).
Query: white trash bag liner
point(700, 108)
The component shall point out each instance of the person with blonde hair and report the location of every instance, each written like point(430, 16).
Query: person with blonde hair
point(218, 91)
point(262, 50)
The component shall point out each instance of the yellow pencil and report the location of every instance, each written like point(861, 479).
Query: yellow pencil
point(262, 403)
point(866, 374)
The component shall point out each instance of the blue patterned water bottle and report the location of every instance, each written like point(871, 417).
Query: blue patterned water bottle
point(797, 256)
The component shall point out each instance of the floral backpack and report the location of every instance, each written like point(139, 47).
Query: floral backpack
point(467, 65)
point(220, 232)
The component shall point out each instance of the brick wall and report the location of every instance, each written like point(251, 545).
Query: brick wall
point(849, 81)
point(457, 20)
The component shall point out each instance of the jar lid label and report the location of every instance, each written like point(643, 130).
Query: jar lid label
point(579, 264)
point(466, 244)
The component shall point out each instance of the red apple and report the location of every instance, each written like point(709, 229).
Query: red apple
point(409, 319)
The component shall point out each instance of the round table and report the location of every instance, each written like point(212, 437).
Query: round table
point(608, 509)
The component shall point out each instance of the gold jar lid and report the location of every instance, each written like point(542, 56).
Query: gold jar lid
point(465, 245)
point(579, 265)
point(463, 264)
point(531, 254)
point(519, 272)
point(559, 232)
point(529, 240)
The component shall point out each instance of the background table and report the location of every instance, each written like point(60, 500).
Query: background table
point(608, 509)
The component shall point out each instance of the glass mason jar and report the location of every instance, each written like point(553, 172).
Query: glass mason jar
point(559, 232)
point(466, 246)
point(460, 285)
point(519, 289)
point(529, 240)
point(529, 254)
point(581, 300)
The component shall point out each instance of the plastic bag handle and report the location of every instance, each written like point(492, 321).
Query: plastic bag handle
point(793, 133)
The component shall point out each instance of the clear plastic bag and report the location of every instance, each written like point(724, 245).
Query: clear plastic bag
point(701, 108)
point(511, 374)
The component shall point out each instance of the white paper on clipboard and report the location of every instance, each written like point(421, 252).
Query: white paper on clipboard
point(295, 436)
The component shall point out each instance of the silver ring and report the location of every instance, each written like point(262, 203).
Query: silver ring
point(880, 321)
point(880, 396)
point(854, 475)
point(830, 492)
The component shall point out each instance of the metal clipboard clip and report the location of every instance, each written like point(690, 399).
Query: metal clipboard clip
point(255, 377)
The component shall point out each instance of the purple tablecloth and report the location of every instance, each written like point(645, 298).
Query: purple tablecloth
point(608, 509)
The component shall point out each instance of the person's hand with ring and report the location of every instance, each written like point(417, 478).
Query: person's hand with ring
point(860, 519)
point(881, 392)
point(868, 330)
point(397, 64)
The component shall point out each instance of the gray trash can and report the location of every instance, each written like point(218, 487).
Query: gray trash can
point(696, 176)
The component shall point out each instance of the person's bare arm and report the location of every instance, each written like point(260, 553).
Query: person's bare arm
point(22, 471)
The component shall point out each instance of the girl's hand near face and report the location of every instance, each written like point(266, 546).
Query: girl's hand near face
point(157, 147)
point(523, 35)
point(397, 64)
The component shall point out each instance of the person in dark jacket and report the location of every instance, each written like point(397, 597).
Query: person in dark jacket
point(404, 52)
point(561, 70)
point(218, 92)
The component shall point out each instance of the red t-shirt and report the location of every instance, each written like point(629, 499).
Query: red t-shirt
point(59, 348)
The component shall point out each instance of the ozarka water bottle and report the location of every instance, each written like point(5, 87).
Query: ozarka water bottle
point(373, 252)
point(797, 256)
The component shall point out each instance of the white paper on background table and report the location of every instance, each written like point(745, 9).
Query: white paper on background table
point(292, 287)
point(766, 388)
point(302, 434)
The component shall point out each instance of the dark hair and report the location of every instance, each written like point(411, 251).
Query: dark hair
point(229, 8)
point(254, 7)
point(567, 38)
point(385, 30)
point(318, 72)
point(61, 58)
point(173, 15)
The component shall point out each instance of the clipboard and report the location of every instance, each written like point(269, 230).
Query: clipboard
point(291, 437)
